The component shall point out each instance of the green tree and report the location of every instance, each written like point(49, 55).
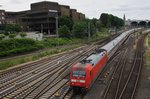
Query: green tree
point(12, 35)
point(2, 36)
point(11, 28)
point(23, 35)
point(80, 29)
point(64, 20)
point(99, 25)
point(104, 18)
point(108, 20)
point(64, 32)
point(17, 28)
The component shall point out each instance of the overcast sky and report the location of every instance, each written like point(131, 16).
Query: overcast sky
point(133, 9)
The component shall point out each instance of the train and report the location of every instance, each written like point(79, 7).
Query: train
point(84, 73)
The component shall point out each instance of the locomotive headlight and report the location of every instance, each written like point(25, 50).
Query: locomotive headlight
point(73, 80)
point(82, 81)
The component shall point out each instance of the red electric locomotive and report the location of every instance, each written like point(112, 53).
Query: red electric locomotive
point(85, 72)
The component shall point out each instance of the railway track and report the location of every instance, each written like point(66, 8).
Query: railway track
point(29, 85)
point(124, 81)
point(131, 84)
point(12, 73)
point(30, 66)
point(44, 78)
point(70, 94)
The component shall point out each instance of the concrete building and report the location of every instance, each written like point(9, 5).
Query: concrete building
point(41, 17)
point(81, 16)
point(64, 10)
point(2, 17)
point(74, 15)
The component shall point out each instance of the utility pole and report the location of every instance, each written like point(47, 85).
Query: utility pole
point(41, 28)
point(56, 17)
point(48, 24)
point(89, 30)
point(57, 26)
point(55, 11)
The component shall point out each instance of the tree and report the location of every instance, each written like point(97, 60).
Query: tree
point(23, 35)
point(17, 28)
point(108, 20)
point(80, 29)
point(94, 22)
point(64, 20)
point(104, 18)
point(2, 36)
point(12, 35)
point(64, 32)
point(99, 25)
point(11, 28)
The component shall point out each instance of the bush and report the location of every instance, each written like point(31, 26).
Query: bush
point(12, 28)
point(15, 46)
point(12, 35)
point(67, 21)
point(55, 41)
point(2, 36)
point(64, 32)
point(23, 35)
point(37, 33)
point(80, 29)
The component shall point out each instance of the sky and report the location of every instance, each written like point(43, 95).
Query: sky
point(133, 9)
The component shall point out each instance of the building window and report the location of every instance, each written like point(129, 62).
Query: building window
point(3, 18)
point(3, 13)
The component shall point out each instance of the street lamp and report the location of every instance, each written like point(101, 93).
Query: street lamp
point(55, 11)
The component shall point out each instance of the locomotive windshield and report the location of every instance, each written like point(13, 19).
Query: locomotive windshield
point(79, 73)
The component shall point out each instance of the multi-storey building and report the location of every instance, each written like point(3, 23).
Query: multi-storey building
point(74, 15)
point(64, 10)
point(2, 16)
point(41, 16)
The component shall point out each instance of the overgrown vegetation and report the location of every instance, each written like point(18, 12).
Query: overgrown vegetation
point(22, 34)
point(64, 32)
point(65, 20)
point(69, 32)
point(109, 20)
point(148, 52)
point(80, 30)
point(46, 43)
point(15, 46)
point(2, 36)
point(12, 28)
point(12, 35)
point(10, 63)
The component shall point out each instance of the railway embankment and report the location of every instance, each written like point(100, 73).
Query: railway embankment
point(51, 48)
point(144, 84)
point(148, 51)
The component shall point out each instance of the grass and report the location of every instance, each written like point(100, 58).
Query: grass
point(14, 62)
point(10, 63)
point(148, 51)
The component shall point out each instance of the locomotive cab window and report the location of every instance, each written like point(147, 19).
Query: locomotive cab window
point(78, 73)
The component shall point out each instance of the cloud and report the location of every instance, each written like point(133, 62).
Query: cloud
point(131, 8)
point(92, 8)
point(16, 1)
